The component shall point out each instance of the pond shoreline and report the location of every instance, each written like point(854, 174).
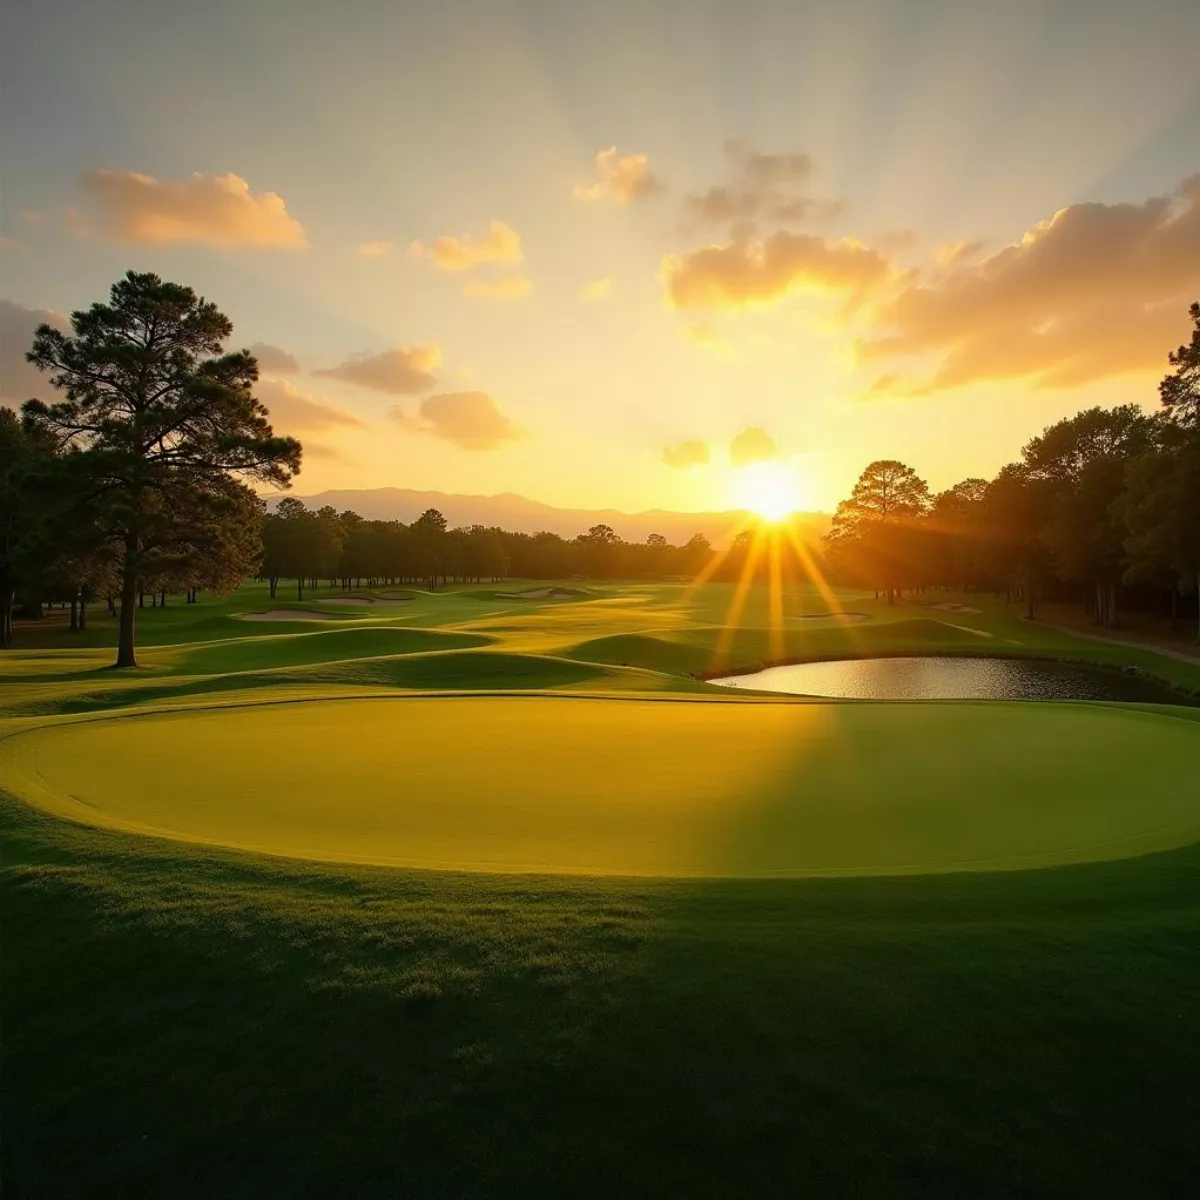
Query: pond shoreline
point(1188, 696)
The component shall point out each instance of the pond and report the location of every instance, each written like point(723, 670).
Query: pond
point(953, 679)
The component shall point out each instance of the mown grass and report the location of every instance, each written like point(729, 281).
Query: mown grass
point(590, 785)
point(190, 1022)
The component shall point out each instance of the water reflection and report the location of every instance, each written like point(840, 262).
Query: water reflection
point(952, 679)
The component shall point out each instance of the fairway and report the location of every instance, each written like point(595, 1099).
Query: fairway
point(633, 787)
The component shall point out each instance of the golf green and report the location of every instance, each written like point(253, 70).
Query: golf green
point(635, 787)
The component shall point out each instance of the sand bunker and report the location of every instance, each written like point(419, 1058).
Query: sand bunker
point(538, 594)
point(361, 601)
point(955, 608)
point(832, 616)
point(289, 614)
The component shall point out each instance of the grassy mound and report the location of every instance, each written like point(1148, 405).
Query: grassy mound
point(475, 670)
point(329, 645)
point(642, 650)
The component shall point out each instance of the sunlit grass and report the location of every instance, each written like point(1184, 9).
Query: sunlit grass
point(194, 1021)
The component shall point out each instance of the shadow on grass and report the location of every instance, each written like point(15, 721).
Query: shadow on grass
point(201, 1023)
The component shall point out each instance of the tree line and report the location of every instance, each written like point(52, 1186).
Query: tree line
point(1102, 508)
point(137, 482)
point(306, 546)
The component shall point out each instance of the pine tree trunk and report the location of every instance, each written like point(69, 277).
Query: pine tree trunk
point(82, 614)
point(130, 596)
point(74, 625)
point(6, 611)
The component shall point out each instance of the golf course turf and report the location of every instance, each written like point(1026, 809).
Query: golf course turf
point(608, 987)
point(695, 788)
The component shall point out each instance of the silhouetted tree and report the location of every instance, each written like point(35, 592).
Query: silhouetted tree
point(1083, 460)
point(875, 532)
point(157, 408)
point(1180, 390)
point(1159, 509)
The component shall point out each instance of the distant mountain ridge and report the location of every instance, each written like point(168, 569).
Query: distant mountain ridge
point(511, 511)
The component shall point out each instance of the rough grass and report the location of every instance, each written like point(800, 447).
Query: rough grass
point(197, 1024)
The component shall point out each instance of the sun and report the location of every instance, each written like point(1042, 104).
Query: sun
point(770, 489)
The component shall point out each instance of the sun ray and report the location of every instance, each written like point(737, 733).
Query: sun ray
point(775, 631)
point(733, 613)
point(813, 571)
point(717, 560)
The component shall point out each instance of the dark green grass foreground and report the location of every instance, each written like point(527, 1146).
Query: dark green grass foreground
point(190, 1022)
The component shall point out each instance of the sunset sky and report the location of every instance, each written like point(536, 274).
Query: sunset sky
point(598, 254)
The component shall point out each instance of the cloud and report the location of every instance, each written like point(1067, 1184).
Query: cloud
point(11, 245)
point(1095, 291)
point(501, 244)
point(31, 216)
point(375, 249)
point(598, 289)
point(505, 287)
point(761, 187)
point(686, 454)
point(212, 210)
point(19, 380)
point(298, 412)
point(399, 372)
point(322, 451)
point(469, 420)
point(272, 360)
point(621, 178)
point(756, 273)
point(751, 446)
point(957, 251)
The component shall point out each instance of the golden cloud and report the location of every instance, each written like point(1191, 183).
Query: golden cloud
point(20, 380)
point(756, 273)
point(621, 178)
point(399, 372)
point(598, 289)
point(273, 361)
point(506, 287)
point(212, 210)
point(468, 420)
point(501, 244)
point(375, 249)
point(957, 251)
point(1097, 290)
point(761, 186)
point(686, 454)
point(751, 446)
point(298, 412)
